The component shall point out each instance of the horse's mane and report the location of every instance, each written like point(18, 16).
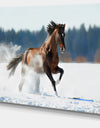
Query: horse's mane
point(51, 27)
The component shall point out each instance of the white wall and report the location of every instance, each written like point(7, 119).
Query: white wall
point(16, 116)
point(45, 2)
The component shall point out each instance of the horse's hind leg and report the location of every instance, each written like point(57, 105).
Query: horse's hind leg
point(21, 84)
point(22, 79)
point(61, 71)
point(48, 72)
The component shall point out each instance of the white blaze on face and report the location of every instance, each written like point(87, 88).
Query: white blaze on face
point(37, 63)
point(62, 34)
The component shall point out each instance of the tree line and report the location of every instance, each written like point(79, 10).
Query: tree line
point(80, 42)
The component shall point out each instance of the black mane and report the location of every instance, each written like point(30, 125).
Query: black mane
point(51, 27)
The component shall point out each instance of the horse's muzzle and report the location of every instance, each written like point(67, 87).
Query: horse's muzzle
point(62, 50)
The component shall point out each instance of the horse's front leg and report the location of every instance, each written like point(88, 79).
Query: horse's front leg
point(61, 71)
point(48, 73)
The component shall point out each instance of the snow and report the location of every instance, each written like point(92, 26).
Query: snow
point(52, 102)
point(79, 80)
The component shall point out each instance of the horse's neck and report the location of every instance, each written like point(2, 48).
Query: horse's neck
point(52, 42)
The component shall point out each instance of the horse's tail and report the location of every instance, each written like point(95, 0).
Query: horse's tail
point(13, 64)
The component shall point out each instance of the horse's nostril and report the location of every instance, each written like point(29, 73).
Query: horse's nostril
point(62, 49)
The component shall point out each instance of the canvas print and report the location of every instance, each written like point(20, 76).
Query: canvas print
point(50, 56)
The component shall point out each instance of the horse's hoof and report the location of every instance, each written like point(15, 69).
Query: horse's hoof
point(20, 89)
point(57, 82)
point(56, 93)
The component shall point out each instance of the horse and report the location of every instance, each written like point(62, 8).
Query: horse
point(47, 54)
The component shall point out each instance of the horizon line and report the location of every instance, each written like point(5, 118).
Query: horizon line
point(35, 30)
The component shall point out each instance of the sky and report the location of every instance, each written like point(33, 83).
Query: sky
point(32, 17)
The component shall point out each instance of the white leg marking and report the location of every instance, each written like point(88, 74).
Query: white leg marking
point(21, 85)
point(57, 82)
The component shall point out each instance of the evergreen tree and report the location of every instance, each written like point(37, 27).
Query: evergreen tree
point(79, 42)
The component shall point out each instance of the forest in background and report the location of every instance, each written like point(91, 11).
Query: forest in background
point(82, 45)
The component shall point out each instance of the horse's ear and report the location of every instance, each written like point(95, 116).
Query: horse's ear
point(64, 25)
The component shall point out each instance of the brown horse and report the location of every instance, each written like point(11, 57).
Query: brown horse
point(44, 58)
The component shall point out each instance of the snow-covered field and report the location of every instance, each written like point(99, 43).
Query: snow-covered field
point(79, 81)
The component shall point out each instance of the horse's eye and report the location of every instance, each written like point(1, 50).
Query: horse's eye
point(59, 33)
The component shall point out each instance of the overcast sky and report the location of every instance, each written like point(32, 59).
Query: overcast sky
point(33, 17)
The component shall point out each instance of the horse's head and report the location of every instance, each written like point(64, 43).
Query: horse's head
point(60, 35)
point(59, 30)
